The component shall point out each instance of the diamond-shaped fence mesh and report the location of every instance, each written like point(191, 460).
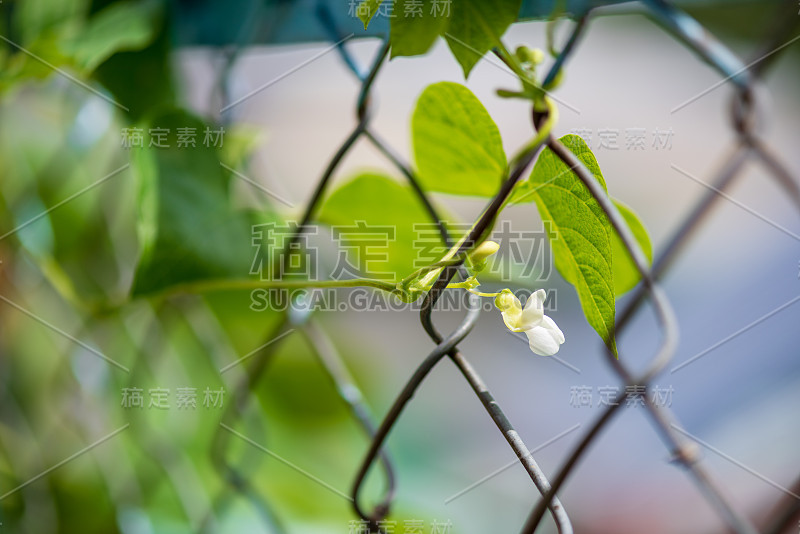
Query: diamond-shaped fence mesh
point(743, 75)
point(681, 446)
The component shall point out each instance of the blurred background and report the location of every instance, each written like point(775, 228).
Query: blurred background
point(77, 456)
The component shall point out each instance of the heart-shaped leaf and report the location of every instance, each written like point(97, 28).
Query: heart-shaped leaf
point(579, 232)
point(457, 145)
point(370, 204)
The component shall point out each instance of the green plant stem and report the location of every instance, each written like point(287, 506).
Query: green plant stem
point(514, 64)
point(208, 286)
point(429, 272)
point(205, 286)
point(432, 267)
point(558, 10)
point(543, 132)
point(482, 294)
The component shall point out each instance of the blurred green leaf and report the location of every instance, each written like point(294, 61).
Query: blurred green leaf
point(457, 145)
point(188, 229)
point(32, 18)
point(65, 188)
point(414, 34)
point(579, 232)
point(367, 9)
point(471, 27)
point(626, 276)
point(476, 26)
point(77, 44)
point(19, 66)
point(142, 80)
point(246, 318)
point(120, 26)
point(240, 142)
point(379, 202)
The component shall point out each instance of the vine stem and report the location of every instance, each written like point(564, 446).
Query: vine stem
point(399, 289)
point(481, 294)
point(520, 163)
point(543, 123)
point(205, 286)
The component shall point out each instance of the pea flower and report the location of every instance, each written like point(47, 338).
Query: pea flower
point(544, 336)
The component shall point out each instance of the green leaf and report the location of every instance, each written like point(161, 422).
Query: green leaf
point(380, 202)
point(142, 80)
point(83, 45)
point(367, 9)
point(626, 276)
point(120, 26)
point(414, 34)
point(19, 66)
point(471, 27)
point(188, 229)
point(579, 232)
point(476, 26)
point(32, 18)
point(457, 145)
point(240, 141)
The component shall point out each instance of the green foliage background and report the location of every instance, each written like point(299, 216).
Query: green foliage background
point(99, 268)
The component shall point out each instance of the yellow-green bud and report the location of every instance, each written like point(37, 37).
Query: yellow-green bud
point(533, 56)
point(505, 300)
point(483, 251)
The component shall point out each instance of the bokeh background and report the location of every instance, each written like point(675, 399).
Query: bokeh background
point(157, 475)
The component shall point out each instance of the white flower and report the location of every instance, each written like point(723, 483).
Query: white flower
point(544, 336)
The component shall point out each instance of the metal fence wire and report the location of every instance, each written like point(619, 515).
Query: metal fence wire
point(747, 147)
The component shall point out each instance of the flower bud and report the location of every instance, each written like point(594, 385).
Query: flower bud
point(505, 300)
point(483, 251)
point(532, 56)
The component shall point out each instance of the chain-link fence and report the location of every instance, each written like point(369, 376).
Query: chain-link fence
point(682, 447)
